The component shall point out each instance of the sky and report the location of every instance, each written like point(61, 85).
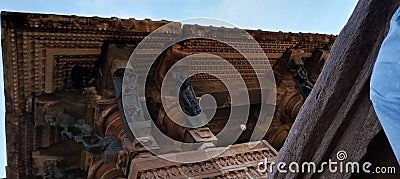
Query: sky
point(316, 16)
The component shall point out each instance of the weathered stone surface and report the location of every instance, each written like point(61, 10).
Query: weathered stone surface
point(338, 114)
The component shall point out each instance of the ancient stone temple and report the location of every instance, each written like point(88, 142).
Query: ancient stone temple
point(64, 119)
point(59, 75)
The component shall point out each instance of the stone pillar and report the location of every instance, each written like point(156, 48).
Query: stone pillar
point(338, 115)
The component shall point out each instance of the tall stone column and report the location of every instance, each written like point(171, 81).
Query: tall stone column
point(337, 115)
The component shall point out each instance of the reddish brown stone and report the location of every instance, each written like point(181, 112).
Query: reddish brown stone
point(338, 114)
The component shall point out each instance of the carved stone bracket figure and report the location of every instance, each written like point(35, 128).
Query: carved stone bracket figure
point(187, 96)
point(78, 131)
point(107, 144)
point(70, 126)
point(300, 75)
point(188, 100)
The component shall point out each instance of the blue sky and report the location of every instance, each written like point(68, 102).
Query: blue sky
point(317, 16)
